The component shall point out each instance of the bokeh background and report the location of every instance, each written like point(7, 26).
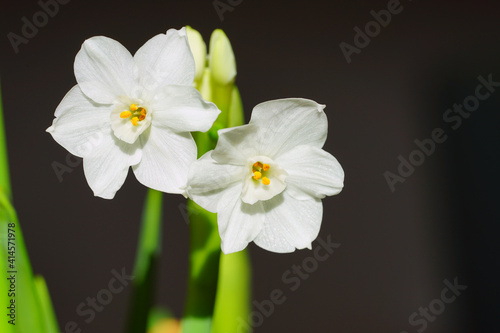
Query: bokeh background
point(396, 248)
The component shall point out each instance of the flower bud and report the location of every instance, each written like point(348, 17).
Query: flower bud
point(199, 50)
point(221, 58)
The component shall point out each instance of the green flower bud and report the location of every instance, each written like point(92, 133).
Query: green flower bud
point(221, 59)
point(199, 50)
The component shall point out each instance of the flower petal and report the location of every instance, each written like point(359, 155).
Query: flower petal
point(312, 172)
point(79, 122)
point(166, 59)
point(239, 223)
point(107, 163)
point(286, 123)
point(235, 145)
point(181, 108)
point(208, 181)
point(289, 223)
point(165, 160)
point(104, 69)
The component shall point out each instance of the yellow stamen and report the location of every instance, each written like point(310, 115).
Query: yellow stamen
point(266, 167)
point(134, 121)
point(143, 112)
point(125, 114)
point(133, 107)
point(266, 181)
point(257, 165)
point(257, 175)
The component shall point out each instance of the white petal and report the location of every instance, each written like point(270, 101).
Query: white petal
point(208, 181)
point(254, 190)
point(104, 69)
point(289, 223)
point(106, 165)
point(79, 122)
point(239, 222)
point(286, 123)
point(166, 59)
point(312, 172)
point(181, 108)
point(166, 157)
point(235, 145)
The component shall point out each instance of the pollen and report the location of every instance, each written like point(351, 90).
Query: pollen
point(125, 114)
point(136, 114)
point(260, 172)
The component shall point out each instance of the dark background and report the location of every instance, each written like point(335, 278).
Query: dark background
point(396, 248)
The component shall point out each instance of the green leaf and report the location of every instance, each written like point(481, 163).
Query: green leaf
point(45, 306)
point(146, 264)
point(4, 164)
point(28, 315)
point(19, 288)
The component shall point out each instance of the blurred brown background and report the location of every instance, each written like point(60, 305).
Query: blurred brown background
point(396, 248)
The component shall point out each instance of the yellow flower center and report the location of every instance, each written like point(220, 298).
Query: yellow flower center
point(136, 114)
point(259, 170)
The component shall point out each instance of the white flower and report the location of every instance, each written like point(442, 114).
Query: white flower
point(133, 111)
point(266, 179)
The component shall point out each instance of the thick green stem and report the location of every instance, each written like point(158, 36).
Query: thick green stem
point(232, 304)
point(203, 270)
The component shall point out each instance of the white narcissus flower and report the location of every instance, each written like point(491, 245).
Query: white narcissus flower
point(265, 180)
point(133, 111)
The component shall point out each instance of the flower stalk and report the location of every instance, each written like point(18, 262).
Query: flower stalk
point(216, 282)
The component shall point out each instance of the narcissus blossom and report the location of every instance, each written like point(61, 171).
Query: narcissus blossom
point(133, 111)
point(266, 179)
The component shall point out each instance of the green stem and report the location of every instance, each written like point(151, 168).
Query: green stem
point(232, 304)
point(203, 270)
point(146, 264)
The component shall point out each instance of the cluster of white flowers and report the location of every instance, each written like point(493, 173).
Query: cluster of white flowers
point(265, 179)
